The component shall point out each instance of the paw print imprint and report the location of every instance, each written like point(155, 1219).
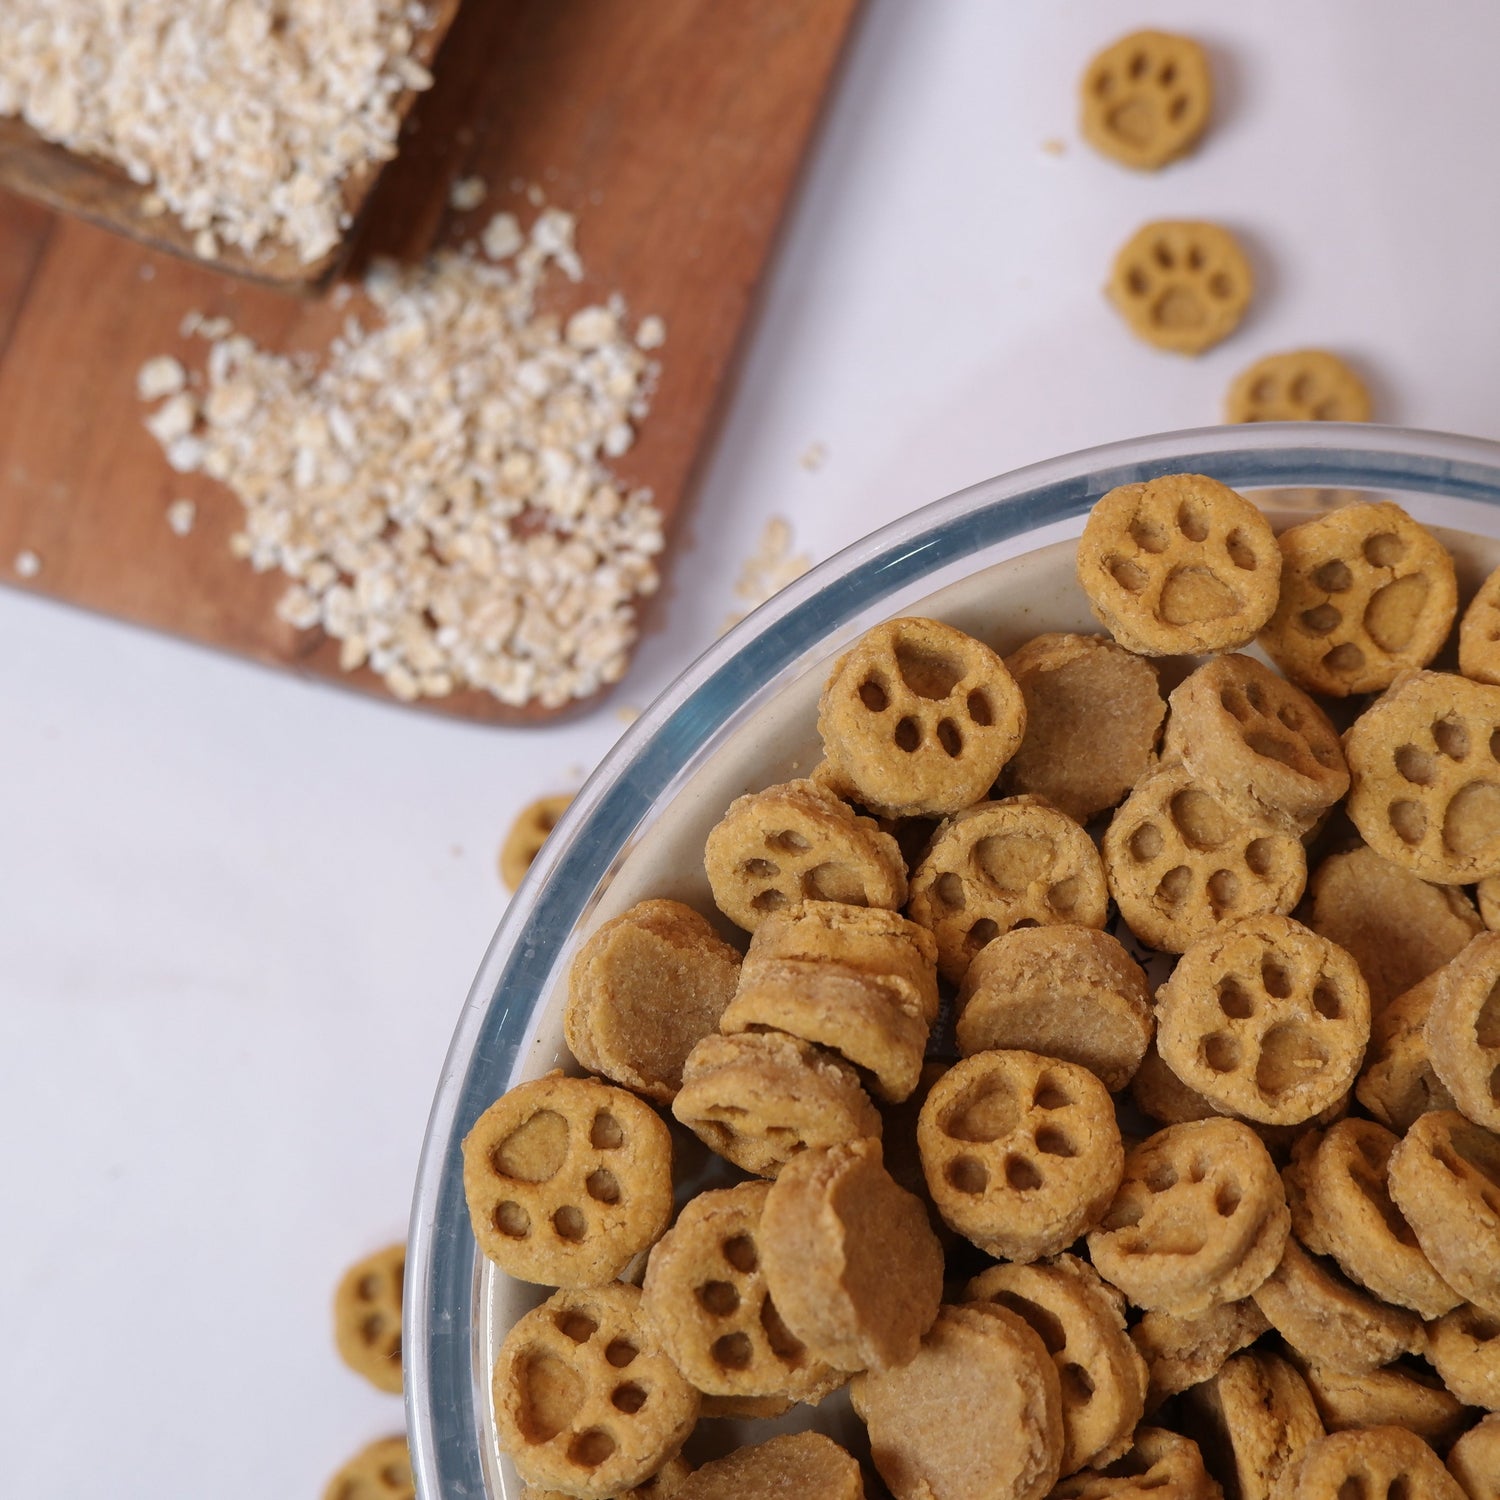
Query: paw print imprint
point(381, 1471)
point(1182, 285)
point(367, 1316)
point(1479, 633)
point(1309, 385)
point(1463, 1031)
point(1146, 98)
point(527, 835)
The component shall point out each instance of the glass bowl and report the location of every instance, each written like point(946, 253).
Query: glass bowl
point(995, 559)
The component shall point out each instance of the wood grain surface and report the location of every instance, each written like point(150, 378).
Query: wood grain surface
point(673, 129)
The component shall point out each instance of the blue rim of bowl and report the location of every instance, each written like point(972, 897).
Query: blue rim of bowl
point(445, 1432)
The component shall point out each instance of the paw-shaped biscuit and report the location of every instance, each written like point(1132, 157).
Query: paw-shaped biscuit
point(1366, 593)
point(1000, 865)
point(1474, 1461)
point(707, 1297)
point(367, 1317)
point(793, 1464)
point(917, 719)
point(1424, 759)
point(586, 1398)
point(1265, 1019)
point(1253, 739)
point(1378, 1463)
point(1307, 385)
point(1181, 284)
point(1183, 1352)
point(1405, 1395)
point(1479, 633)
point(1021, 1152)
point(1200, 1218)
point(1464, 1348)
point(527, 834)
point(1081, 1320)
point(1179, 564)
point(797, 842)
point(382, 1471)
point(1445, 1178)
point(1180, 861)
point(665, 1484)
point(1146, 98)
point(1160, 1465)
point(1397, 1082)
point(1462, 1030)
point(566, 1179)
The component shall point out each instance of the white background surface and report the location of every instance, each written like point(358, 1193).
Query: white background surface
point(238, 914)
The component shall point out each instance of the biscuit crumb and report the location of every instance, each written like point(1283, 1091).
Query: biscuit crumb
point(627, 713)
point(180, 516)
point(814, 456)
point(764, 575)
point(1055, 146)
point(27, 564)
point(467, 193)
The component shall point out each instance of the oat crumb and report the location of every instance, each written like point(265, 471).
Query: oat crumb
point(764, 575)
point(652, 333)
point(27, 564)
point(467, 193)
point(158, 377)
point(180, 516)
point(1055, 146)
point(502, 237)
point(814, 456)
point(627, 713)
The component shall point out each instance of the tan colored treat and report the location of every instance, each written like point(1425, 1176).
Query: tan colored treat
point(860, 981)
point(1258, 1417)
point(524, 841)
point(1146, 98)
point(382, 1471)
point(903, 1159)
point(1399, 927)
point(1474, 1461)
point(707, 1298)
point(1255, 741)
point(798, 842)
point(1000, 865)
point(977, 1415)
point(1306, 385)
point(1178, 564)
point(1021, 1152)
point(643, 991)
point(1161, 1465)
point(745, 1408)
point(1479, 633)
point(1067, 992)
point(1398, 1082)
point(1463, 1346)
point(1366, 593)
point(1081, 1320)
point(1445, 1178)
point(1180, 861)
point(794, 1464)
point(1200, 1218)
point(1184, 1352)
point(1395, 1396)
point(1463, 1030)
point(566, 1179)
point(367, 1317)
point(1487, 893)
point(1181, 284)
point(918, 718)
point(761, 1097)
point(1160, 1093)
point(1093, 714)
point(1265, 1019)
point(855, 1268)
point(1381, 1461)
point(665, 1484)
point(1337, 1185)
point(1329, 1320)
point(587, 1400)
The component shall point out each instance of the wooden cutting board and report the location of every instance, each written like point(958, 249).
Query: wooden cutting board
point(673, 129)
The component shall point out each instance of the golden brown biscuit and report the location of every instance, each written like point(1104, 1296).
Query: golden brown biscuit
point(917, 719)
point(1255, 741)
point(1181, 284)
point(585, 1398)
point(1161, 1465)
point(382, 1471)
point(1487, 897)
point(977, 1415)
point(1179, 861)
point(1425, 779)
point(1329, 1320)
point(1081, 1320)
point(1366, 593)
point(1200, 1218)
point(1474, 1461)
point(1399, 927)
point(1146, 98)
point(794, 1464)
point(1479, 633)
point(1068, 992)
point(1346, 1465)
point(642, 992)
point(1305, 385)
point(1184, 1352)
point(1021, 1152)
point(367, 1317)
point(999, 865)
point(1462, 1030)
point(707, 1297)
point(1265, 1019)
point(796, 842)
point(1401, 1395)
point(761, 1097)
point(524, 841)
point(1398, 1082)
point(1178, 564)
point(665, 1484)
point(1093, 715)
point(567, 1179)
point(855, 1268)
point(1161, 1094)
point(1463, 1346)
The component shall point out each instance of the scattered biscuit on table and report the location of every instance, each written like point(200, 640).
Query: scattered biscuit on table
point(527, 834)
point(367, 1317)
point(1181, 285)
point(381, 1471)
point(1306, 385)
point(1146, 98)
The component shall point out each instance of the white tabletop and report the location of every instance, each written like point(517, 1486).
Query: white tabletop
point(238, 913)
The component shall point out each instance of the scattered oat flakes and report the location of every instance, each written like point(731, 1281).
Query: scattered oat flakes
point(467, 193)
point(814, 456)
point(181, 514)
point(27, 564)
point(162, 376)
point(769, 571)
point(652, 333)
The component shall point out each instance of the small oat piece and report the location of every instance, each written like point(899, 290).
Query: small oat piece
point(1474, 1461)
point(367, 1317)
point(527, 834)
point(1181, 285)
point(802, 1464)
point(158, 377)
point(467, 193)
point(1307, 385)
point(381, 1471)
point(27, 564)
point(1184, 1352)
point(772, 567)
point(652, 333)
point(814, 456)
point(1462, 1030)
point(181, 514)
point(1146, 99)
